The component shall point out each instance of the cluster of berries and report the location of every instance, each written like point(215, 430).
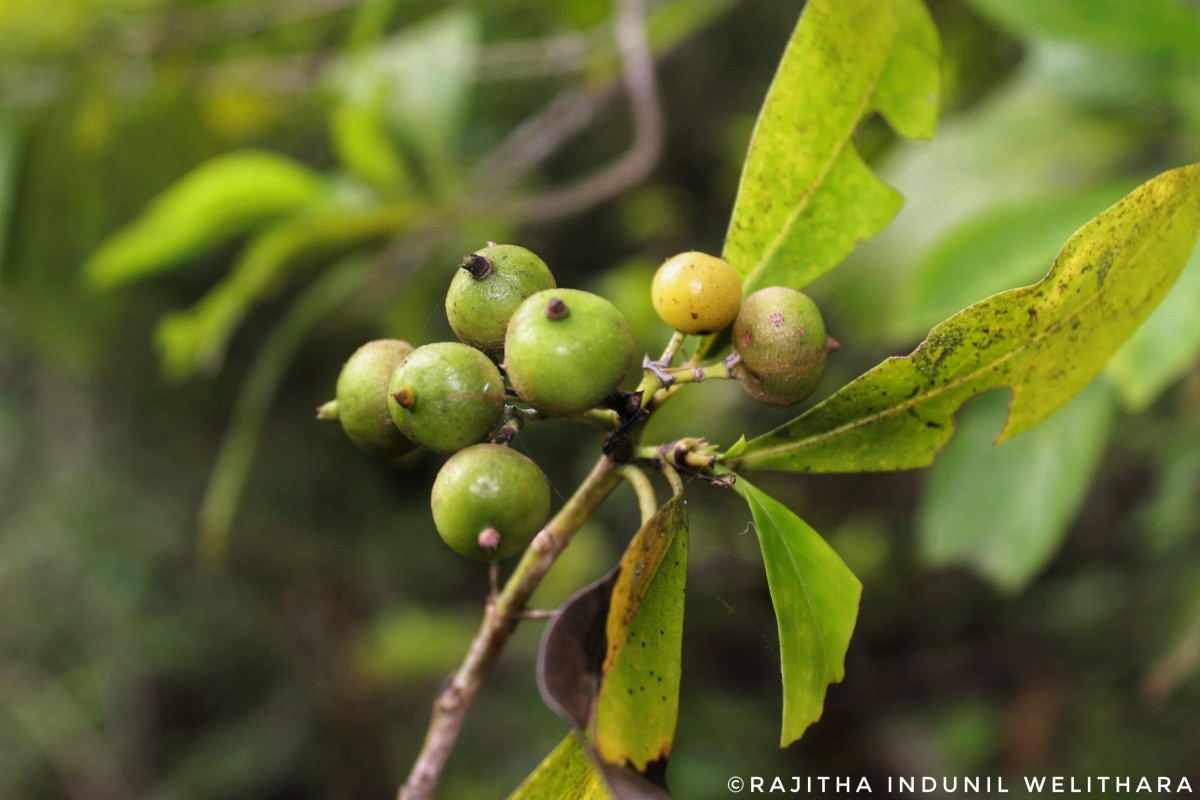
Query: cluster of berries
point(529, 347)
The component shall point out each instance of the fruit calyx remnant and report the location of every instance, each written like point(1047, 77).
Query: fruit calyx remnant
point(479, 266)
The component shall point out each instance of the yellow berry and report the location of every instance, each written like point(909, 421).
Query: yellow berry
point(696, 293)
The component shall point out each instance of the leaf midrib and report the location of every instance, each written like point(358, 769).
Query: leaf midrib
point(819, 179)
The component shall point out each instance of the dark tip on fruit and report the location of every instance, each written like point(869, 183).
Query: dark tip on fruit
point(479, 266)
point(489, 540)
point(405, 396)
point(832, 344)
point(556, 308)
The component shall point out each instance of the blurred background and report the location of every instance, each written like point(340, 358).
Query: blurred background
point(206, 206)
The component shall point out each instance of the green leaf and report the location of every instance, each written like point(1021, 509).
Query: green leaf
point(736, 449)
point(1002, 510)
point(1164, 348)
point(1167, 27)
point(566, 774)
point(806, 198)
point(1046, 341)
point(219, 199)
point(195, 340)
point(422, 78)
point(1005, 247)
point(638, 703)
point(816, 604)
point(360, 137)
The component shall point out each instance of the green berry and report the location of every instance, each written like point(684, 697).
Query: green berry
point(567, 350)
point(780, 336)
point(362, 398)
point(446, 396)
point(487, 289)
point(696, 293)
point(489, 501)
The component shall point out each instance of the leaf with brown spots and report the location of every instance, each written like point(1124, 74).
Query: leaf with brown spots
point(566, 774)
point(806, 197)
point(1045, 341)
point(610, 661)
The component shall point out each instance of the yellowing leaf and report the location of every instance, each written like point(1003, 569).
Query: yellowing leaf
point(609, 662)
point(638, 702)
point(566, 774)
point(1045, 341)
point(806, 198)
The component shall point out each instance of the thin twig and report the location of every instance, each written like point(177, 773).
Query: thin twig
point(629, 28)
point(499, 621)
point(531, 142)
point(537, 57)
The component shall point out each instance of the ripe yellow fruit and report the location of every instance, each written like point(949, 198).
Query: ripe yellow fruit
point(696, 293)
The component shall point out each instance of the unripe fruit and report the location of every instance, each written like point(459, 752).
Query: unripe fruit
point(362, 398)
point(446, 396)
point(780, 336)
point(696, 293)
point(567, 350)
point(487, 289)
point(489, 501)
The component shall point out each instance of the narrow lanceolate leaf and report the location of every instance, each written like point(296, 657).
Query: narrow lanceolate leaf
point(194, 340)
point(806, 197)
point(566, 774)
point(219, 199)
point(610, 660)
point(1045, 341)
point(816, 604)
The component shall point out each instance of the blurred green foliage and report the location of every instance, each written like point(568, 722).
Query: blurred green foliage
point(302, 665)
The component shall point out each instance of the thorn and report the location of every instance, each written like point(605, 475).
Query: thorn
point(556, 308)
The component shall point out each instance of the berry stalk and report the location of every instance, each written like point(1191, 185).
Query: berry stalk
point(500, 619)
